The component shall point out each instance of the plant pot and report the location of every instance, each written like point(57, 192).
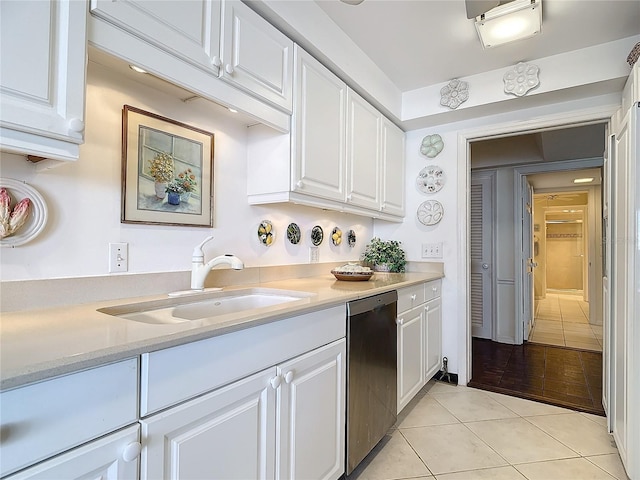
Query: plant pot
point(160, 189)
point(173, 198)
point(383, 267)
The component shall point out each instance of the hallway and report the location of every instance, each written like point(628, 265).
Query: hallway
point(562, 319)
point(459, 433)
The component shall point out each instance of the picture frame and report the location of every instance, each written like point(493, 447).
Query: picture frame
point(167, 171)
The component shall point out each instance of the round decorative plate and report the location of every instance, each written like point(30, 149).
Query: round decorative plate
point(336, 236)
point(351, 238)
point(430, 179)
point(293, 233)
point(431, 145)
point(317, 235)
point(37, 217)
point(430, 212)
point(266, 233)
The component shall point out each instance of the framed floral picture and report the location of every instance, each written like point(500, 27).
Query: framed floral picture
point(167, 171)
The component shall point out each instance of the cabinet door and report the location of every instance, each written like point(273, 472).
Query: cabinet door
point(411, 354)
point(114, 457)
point(319, 136)
point(311, 412)
point(228, 433)
point(257, 57)
point(363, 143)
point(188, 30)
point(433, 340)
point(42, 76)
point(392, 150)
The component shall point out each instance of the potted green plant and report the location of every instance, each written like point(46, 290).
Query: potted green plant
point(384, 255)
point(161, 170)
point(174, 189)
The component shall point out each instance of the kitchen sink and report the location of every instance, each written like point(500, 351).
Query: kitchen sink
point(204, 306)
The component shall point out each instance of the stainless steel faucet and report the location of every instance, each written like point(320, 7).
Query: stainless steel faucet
point(200, 270)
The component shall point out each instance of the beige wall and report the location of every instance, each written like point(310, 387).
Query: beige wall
point(564, 256)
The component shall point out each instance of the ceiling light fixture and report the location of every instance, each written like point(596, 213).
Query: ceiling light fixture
point(137, 69)
point(511, 21)
point(232, 110)
point(583, 180)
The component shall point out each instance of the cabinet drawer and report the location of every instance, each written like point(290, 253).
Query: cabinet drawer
point(432, 289)
point(179, 373)
point(46, 418)
point(409, 297)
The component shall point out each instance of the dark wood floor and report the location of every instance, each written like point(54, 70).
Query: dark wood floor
point(561, 376)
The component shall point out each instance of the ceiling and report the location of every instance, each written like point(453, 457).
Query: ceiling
point(418, 43)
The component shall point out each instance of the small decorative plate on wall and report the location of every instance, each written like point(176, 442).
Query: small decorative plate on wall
point(266, 233)
point(36, 212)
point(430, 212)
point(430, 179)
point(336, 236)
point(351, 238)
point(317, 235)
point(293, 233)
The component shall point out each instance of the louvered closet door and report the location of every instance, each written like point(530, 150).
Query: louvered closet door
point(481, 300)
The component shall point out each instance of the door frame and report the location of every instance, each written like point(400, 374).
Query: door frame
point(519, 174)
point(601, 114)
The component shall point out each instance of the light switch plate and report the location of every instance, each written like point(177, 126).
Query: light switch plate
point(432, 250)
point(314, 255)
point(118, 257)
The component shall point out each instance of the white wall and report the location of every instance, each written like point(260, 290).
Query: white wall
point(84, 199)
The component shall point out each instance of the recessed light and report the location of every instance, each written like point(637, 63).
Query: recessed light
point(137, 69)
point(583, 180)
point(233, 110)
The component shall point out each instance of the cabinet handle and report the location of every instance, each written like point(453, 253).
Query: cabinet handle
point(76, 125)
point(299, 184)
point(413, 297)
point(288, 377)
point(131, 451)
point(383, 206)
point(435, 289)
point(400, 321)
point(216, 61)
point(228, 68)
point(275, 382)
point(426, 309)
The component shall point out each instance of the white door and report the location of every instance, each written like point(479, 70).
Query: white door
point(528, 295)
point(311, 415)
point(410, 354)
point(363, 162)
point(318, 140)
point(256, 56)
point(113, 457)
point(227, 434)
point(481, 237)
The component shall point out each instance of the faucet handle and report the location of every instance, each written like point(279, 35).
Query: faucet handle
point(198, 254)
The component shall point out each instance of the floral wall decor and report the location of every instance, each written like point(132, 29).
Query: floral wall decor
point(431, 145)
point(521, 78)
point(454, 94)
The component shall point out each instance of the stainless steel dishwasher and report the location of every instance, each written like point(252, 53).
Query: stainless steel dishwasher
point(371, 373)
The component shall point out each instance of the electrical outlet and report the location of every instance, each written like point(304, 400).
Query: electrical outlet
point(432, 250)
point(118, 257)
point(314, 255)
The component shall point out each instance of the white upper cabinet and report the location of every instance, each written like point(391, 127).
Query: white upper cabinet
point(318, 144)
point(392, 169)
point(189, 30)
point(42, 77)
point(256, 56)
point(363, 153)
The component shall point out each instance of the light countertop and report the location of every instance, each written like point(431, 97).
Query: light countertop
point(39, 344)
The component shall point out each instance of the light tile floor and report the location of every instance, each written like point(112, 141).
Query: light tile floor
point(458, 433)
point(563, 319)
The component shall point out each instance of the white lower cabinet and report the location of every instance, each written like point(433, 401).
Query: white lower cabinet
point(419, 338)
point(113, 457)
point(286, 421)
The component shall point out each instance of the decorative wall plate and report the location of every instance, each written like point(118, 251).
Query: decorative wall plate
point(521, 78)
point(430, 212)
point(293, 233)
point(336, 236)
point(37, 217)
point(430, 179)
point(351, 238)
point(431, 145)
point(454, 93)
point(317, 235)
point(266, 233)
